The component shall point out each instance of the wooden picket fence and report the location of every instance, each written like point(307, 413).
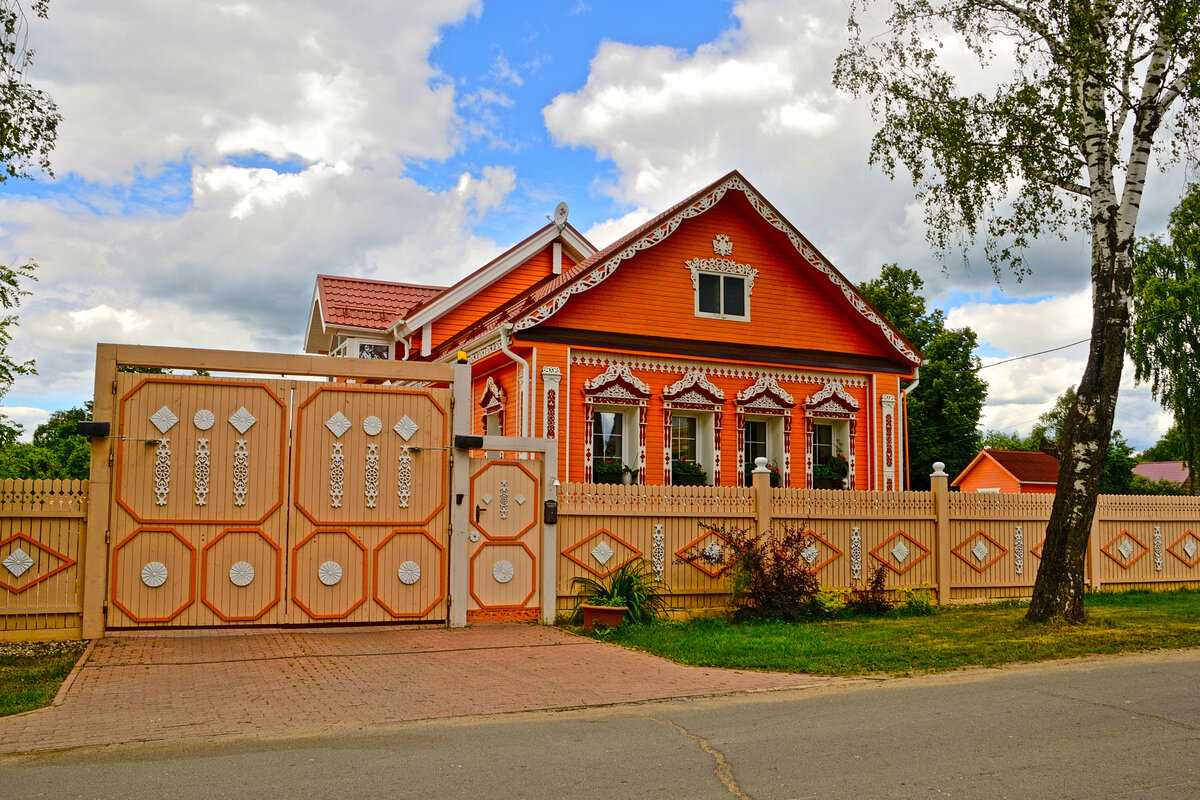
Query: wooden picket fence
point(964, 547)
point(42, 525)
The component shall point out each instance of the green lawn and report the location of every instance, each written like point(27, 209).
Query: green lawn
point(954, 637)
point(30, 673)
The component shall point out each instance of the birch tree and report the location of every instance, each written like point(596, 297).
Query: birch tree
point(1080, 96)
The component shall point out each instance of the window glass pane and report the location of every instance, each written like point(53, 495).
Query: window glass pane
point(756, 444)
point(822, 443)
point(378, 351)
point(735, 296)
point(606, 435)
point(683, 438)
point(710, 293)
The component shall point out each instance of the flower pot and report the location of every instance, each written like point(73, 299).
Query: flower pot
point(603, 616)
point(827, 483)
point(689, 479)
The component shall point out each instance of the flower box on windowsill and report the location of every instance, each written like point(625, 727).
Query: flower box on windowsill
point(689, 479)
point(827, 483)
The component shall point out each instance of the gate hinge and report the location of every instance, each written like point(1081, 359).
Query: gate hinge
point(107, 537)
point(114, 386)
point(110, 458)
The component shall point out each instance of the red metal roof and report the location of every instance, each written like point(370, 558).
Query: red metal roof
point(1173, 471)
point(365, 303)
point(1027, 467)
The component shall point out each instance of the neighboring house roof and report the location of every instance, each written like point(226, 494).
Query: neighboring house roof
point(542, 300)
point(1173, 471)
point(1025, 466)
point(362, 304)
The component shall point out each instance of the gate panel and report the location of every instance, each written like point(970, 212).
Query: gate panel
point(506, 538)
point(370, 492)
point(199, 520)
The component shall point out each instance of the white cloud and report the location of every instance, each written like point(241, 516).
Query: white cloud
point(602, 234)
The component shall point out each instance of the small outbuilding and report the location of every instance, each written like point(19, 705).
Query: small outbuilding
point(1013, 471)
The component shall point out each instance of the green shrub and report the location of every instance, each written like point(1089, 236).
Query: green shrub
point(632, 585)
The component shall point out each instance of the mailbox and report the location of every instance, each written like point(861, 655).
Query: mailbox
point(551, 514)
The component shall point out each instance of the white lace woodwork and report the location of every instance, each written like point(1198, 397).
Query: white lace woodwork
point(660, 232)
point(615, 386)
point(493, 401)
point(716, 370)
point(503, 499)
point(241, 473)
point(659, 552)
point(372, 425)
point(204, 419)
point(722, 245)
point(1158, 549)
point(162, 471)
point(855, 553)
point(404, 476)
point(551, 377)
point(337, 475)
point(242, 420)
point(371, 490)
point(164, 419)
point(201, 472)
point(154, 574)
point(722, 266)
point(693, 392)
point(767, 397)
point(889, 442)
point(1019, 551)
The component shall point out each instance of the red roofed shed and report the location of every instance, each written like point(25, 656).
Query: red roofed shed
point(1016, 471)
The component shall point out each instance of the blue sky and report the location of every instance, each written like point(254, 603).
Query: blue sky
point(214, 157)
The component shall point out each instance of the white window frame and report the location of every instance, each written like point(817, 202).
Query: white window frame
point(840, 439)
point(705, 439)
point(351, 346)
point(629, 432)
point(722, 268)
point(775, 445)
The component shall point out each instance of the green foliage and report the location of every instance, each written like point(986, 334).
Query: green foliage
point(32, 672)
point(687, 473)
point(873, 598)
point(943, 414)
point(917, 602)
point(57, 451)
point(1140, 485)
point(28, 117)
point(1118, 467)
point(631, 585)
point(1165, 337)
point(1170, 447)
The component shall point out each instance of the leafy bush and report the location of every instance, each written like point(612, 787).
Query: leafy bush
point(631, 585)
point(768, 576)
point(873, 599)
point(917, 602)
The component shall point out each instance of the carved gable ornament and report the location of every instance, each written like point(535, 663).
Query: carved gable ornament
point(494, 398)
point(694, 389)
point(766, 395)
point(617, 385)
point(832, 401)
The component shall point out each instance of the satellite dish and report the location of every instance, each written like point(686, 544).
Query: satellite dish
point(560, 215)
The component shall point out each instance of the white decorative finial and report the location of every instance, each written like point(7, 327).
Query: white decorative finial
point(939, 470)
point(760, 465)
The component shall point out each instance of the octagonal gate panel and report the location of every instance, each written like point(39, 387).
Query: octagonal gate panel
point(506, 539)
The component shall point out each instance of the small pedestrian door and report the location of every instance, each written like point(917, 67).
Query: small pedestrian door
point(505, 539)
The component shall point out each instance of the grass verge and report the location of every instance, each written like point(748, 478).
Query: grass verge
point(31, 672)
point(953, 638)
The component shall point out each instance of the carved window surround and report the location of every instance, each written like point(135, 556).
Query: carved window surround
point(832, 402)
point(620, 387)
point(693, 392)
point(767, 397)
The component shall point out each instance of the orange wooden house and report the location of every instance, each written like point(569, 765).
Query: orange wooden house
point(1010, 471)
point(711, 335)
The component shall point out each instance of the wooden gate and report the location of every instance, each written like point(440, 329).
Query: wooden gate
point(266, 502)
point(506, 540)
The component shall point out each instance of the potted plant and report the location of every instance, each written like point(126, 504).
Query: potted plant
point(832, 474)
point(776, 475)
point(628, 591)
point(687, 473)
point(607, 470)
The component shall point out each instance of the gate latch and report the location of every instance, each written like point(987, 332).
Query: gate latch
point(478, 510)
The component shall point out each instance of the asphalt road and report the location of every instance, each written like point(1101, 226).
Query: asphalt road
point(1125, 727)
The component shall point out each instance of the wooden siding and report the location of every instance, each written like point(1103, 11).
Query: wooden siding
point(987, 474)
point(495, 295)
point(792, 304)
point(45, 520)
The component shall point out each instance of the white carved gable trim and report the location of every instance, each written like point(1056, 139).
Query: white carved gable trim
point(765, 393)
point(493, 397)
point(694, 387)
point(722, 245)
point(725, 267)
point(702, 204)
point(617, 382)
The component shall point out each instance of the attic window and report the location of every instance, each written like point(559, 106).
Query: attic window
point(722, 288)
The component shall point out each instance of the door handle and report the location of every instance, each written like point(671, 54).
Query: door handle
point(478, 510)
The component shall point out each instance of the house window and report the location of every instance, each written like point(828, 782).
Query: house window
point(722, 296)
point(683, 439)
point(351, 347)
point(376, 351)
point(822, 444)
point(607, 433)
point(614, 446)
point(756, 445)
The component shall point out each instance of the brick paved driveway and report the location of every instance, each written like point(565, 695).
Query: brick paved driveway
point(145, 687)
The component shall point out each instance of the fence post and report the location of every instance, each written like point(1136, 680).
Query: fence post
point(95, 546)
point(760, 478)
point(940, 483)
point(460, 478)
